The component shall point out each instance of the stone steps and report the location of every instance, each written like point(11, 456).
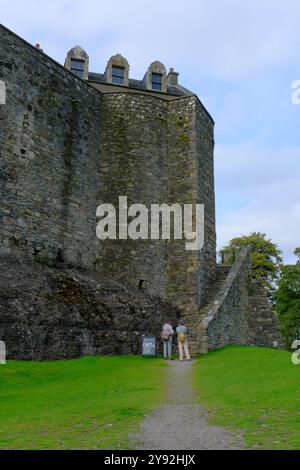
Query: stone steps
point(196, 338)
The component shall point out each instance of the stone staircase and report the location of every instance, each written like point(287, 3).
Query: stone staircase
point(193, 322)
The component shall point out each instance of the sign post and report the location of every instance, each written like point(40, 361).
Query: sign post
point(2, 353)
point(149, 346)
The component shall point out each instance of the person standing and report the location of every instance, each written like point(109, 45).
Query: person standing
point(182, 331)
point(166, 336)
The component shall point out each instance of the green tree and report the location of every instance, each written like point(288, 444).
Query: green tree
point(265, 256)
point(297, 253)
point(287, 298)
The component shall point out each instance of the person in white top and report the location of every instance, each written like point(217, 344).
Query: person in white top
point(166, 336)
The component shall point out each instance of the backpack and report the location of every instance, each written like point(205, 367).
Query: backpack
point(181, 337)
point(165, 336)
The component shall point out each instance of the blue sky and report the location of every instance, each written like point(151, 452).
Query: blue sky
point(239, 57)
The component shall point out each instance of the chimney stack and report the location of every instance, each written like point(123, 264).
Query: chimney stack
point(172, 77)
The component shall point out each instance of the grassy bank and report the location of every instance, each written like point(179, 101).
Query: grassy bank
point(88, 403)
point(255, 390)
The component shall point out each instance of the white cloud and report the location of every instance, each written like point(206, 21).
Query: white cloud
point(227, 39)
point(240, 166)
point(269, 180)
point(282, 226)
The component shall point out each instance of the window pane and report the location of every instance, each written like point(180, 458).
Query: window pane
point(77, 64)
point(118, 71)
point(156, 86)
point(118, 74)
point(156, 77)
point(117, 80)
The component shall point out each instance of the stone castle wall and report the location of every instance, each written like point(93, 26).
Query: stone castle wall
point(263, 322)
point(240, 313)
point(226, 322)
point(204, 134)
point(151, 153)
point(190, 174)
point(66, 148)
point(133, 164)
point(50, 152)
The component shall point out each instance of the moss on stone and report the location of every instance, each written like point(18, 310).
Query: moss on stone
point(184, 140)
point(44, 260)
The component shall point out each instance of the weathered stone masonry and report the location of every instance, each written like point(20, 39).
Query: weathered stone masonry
point(67, 148)
point(133, 164)
point(240, 312)
point(149, 153)
point(50, 153)
point(191, 179)
point(68, 145)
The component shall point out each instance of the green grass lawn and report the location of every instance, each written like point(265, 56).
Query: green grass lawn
point(87, 403)
point(99, 402)
point(256, 390)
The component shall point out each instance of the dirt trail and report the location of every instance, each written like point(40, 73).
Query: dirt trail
point(182, 424)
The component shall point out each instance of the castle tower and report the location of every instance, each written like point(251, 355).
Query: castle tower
point(105, 136)
point(157, 148)
point(72, 139)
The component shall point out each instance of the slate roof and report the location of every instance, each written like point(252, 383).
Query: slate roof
point(139, 85)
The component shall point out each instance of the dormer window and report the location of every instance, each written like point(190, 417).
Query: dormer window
point(117, 71)
point(77, 61)
point(157, 81)
point(77, 67)
point(155, 78)
point(118, 75)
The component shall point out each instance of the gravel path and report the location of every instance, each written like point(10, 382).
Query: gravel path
point(182, 424)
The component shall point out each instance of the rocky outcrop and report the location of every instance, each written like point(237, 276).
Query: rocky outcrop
point(56, 313)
